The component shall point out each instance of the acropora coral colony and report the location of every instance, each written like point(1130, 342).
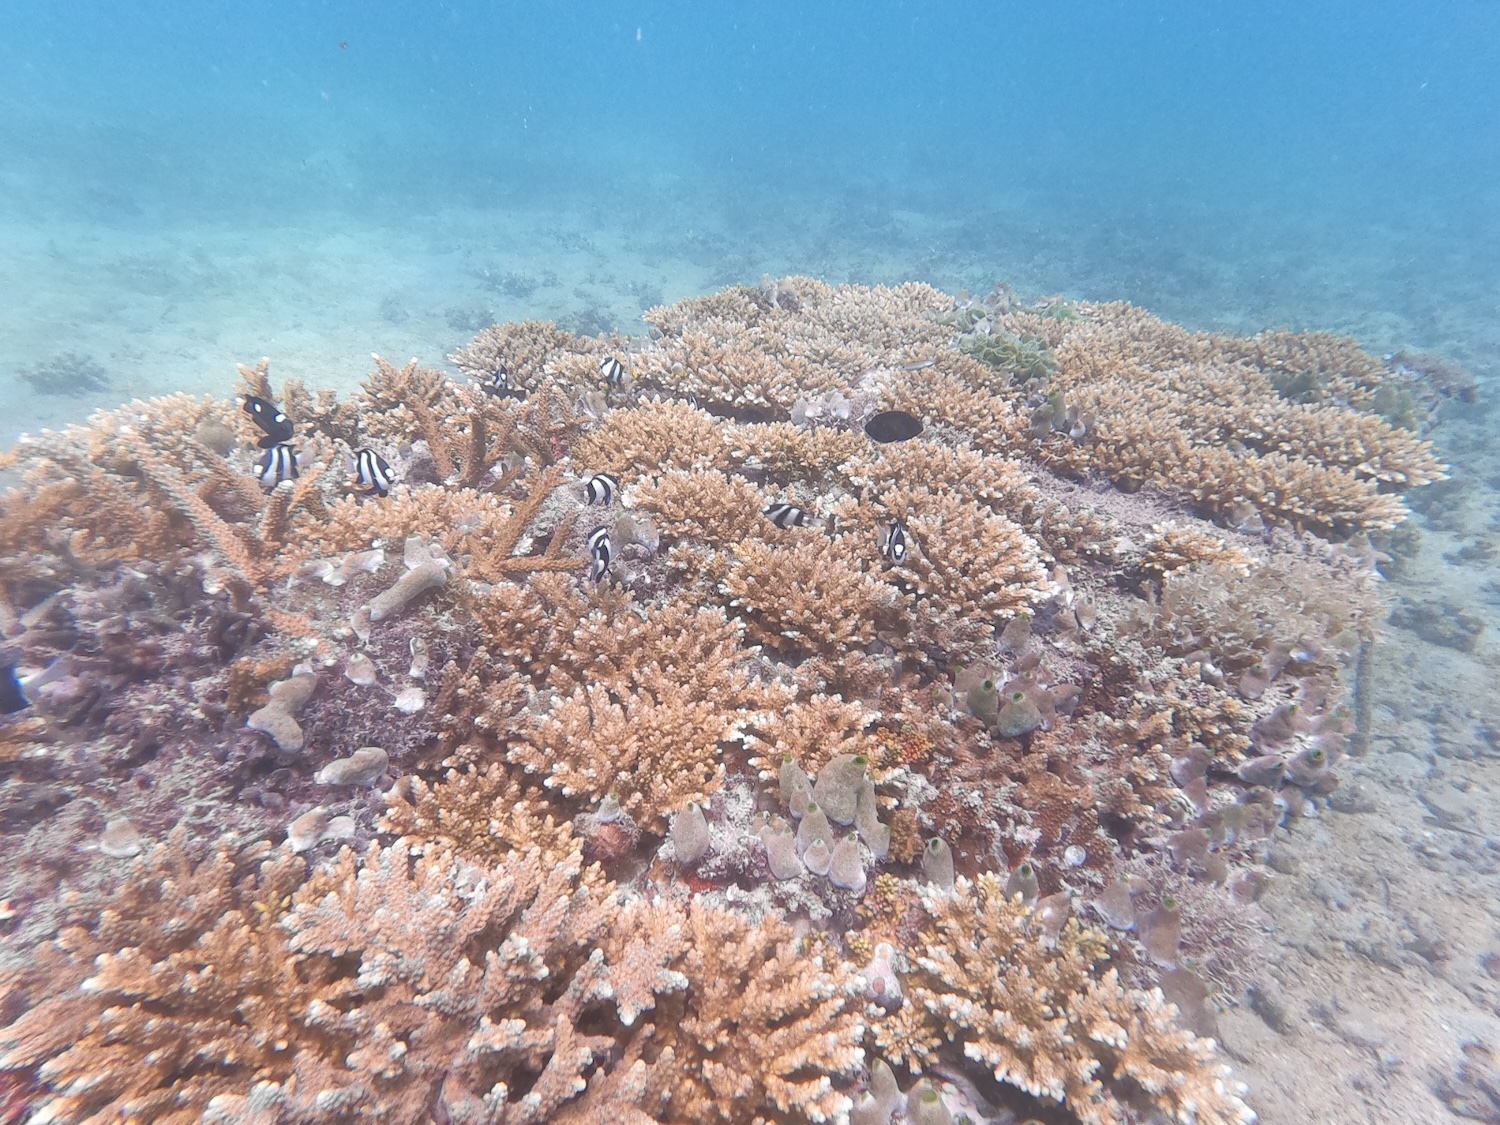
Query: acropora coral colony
point(535, 772)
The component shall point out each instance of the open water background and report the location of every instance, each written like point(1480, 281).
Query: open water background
point(184, 186)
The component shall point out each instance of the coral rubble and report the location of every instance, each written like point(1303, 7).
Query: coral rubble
point(331, 804)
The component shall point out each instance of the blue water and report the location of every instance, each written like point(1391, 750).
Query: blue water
point(184, 186)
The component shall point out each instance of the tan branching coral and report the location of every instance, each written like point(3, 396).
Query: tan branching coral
point(185, 989)
point(655, 738)
point(654, 437)
point(641, 706)
point(482, 813)
point(1204, 414)
point(523, 350)
point(495, 987)
point(1286, 602)
point(1001, 485)
point(705, 507)
point(987, 983)
point(967, 558)
point(490, 535)
point(403, 983)
point(1044, 536)
point(768, 1029)
point(755, 353)
point(1171, 549)
point(793, 453)
point(807, 596)
point(813, 730)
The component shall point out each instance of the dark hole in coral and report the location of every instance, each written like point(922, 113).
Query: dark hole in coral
point(893, 425)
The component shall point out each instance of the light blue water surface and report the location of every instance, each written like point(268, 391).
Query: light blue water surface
point(1316, 164)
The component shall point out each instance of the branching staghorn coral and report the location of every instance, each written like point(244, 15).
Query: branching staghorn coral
point(1202, 413)
point(966, 558)
point(768, 1030)
point(404, 984)
point(479, 813)
point(754, 353)
point(654, 437)
point(989, 984)
point(185, 988)
point(806, 596)
point(635, 700)
point(654, 736)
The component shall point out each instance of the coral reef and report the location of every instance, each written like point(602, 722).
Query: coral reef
point(410, 804)
point(990, 983)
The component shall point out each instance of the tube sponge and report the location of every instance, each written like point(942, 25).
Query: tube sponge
point(814, 829)
point(781, 852)
point(1161, 932)
point(924, 1105)
point(838, 786)
point(880, 1100)
point(882, 984)
point(1023, 882)
point(877, 836)
point(1307, 767)
point(984, 702)
point(937, 864)
point(818, 857)
point(690, 837)
point(846, 866)
point(1019, 716)
point(796, 790)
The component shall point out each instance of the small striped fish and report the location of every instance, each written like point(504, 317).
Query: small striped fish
point(612, 370)
point(372, 472)
point(599, 549)
point(601, 489)
point(787, 515)
point(498, 385)
point(893, 542)
point(275, 426)
point(279, 463)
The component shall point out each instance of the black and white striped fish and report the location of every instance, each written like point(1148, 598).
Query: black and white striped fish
point(275, 426)
point(498, 385)
point(599, 549)
point(788, 515)
point(601, 489)
point(893, 542)
point(372, 472)
point(279, 463)
point(612, 370)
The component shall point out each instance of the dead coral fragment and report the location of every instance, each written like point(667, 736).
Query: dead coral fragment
point(426, 568)
point(278, 717)
point(316, 825)
point(363, 767)
point(1043, 1019)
